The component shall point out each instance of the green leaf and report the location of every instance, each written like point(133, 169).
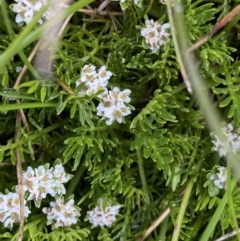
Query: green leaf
point(231, 111)
point(225, 102)
point(43, 93)
point(213, 190)
point(33, 88)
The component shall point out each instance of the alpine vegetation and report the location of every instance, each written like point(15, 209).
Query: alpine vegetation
point(100, 138)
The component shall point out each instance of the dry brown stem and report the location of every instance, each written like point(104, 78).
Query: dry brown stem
point(155, 224)
point(19, 178)
point(218, 26)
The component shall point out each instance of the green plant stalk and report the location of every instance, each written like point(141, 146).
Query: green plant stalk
point(17, 42)
point(164, 225)
point(184, 203)
point(216, 216)
point(11, 34)
point(213, 120)
point(74, 181)
point(188, 66)
point(26, 106)
point(230, 202)
point(26, 37)
point(141, 172)
point(29, 66)
point(175, 40)
point(202, 95)
point(185, 199)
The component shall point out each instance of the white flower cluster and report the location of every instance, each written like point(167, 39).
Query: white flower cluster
point(220, 179)
point(26, 9)
point(100, 217)
point(42, 181)
point(94, 80)
point(113, 107)
point(155, 34)
point(60, 214)
point(227, 140)
point(38, 183)
point(10, 209)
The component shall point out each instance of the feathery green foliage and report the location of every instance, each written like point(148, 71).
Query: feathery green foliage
point(159, 152)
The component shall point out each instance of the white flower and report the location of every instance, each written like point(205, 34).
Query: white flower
point(60, 214)
point(100, 217)
point(60, 175)
point(10, 209)
point(221, 146)
point(113, 107)
point(26, 9)
point(41, 181)
point(94, 80)
point(220, 179)
point(104, 75)
point(88, 74)
point(226, 140)
point(155, 34)
point(120, 96)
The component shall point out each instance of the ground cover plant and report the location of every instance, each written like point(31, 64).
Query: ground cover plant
point(119, 120)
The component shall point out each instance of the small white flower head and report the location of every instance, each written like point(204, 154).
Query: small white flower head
point(103, 217)
point(61, 214)
point(104, 75)
point(93, 80)
point(155, 34)
point(26, 9)
point(226, 140)
point(10, 209)
point(221, 145)
point(113, 107)
point(120, 96)
point(41, 181)
point(88, 70)
point(220, 179)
